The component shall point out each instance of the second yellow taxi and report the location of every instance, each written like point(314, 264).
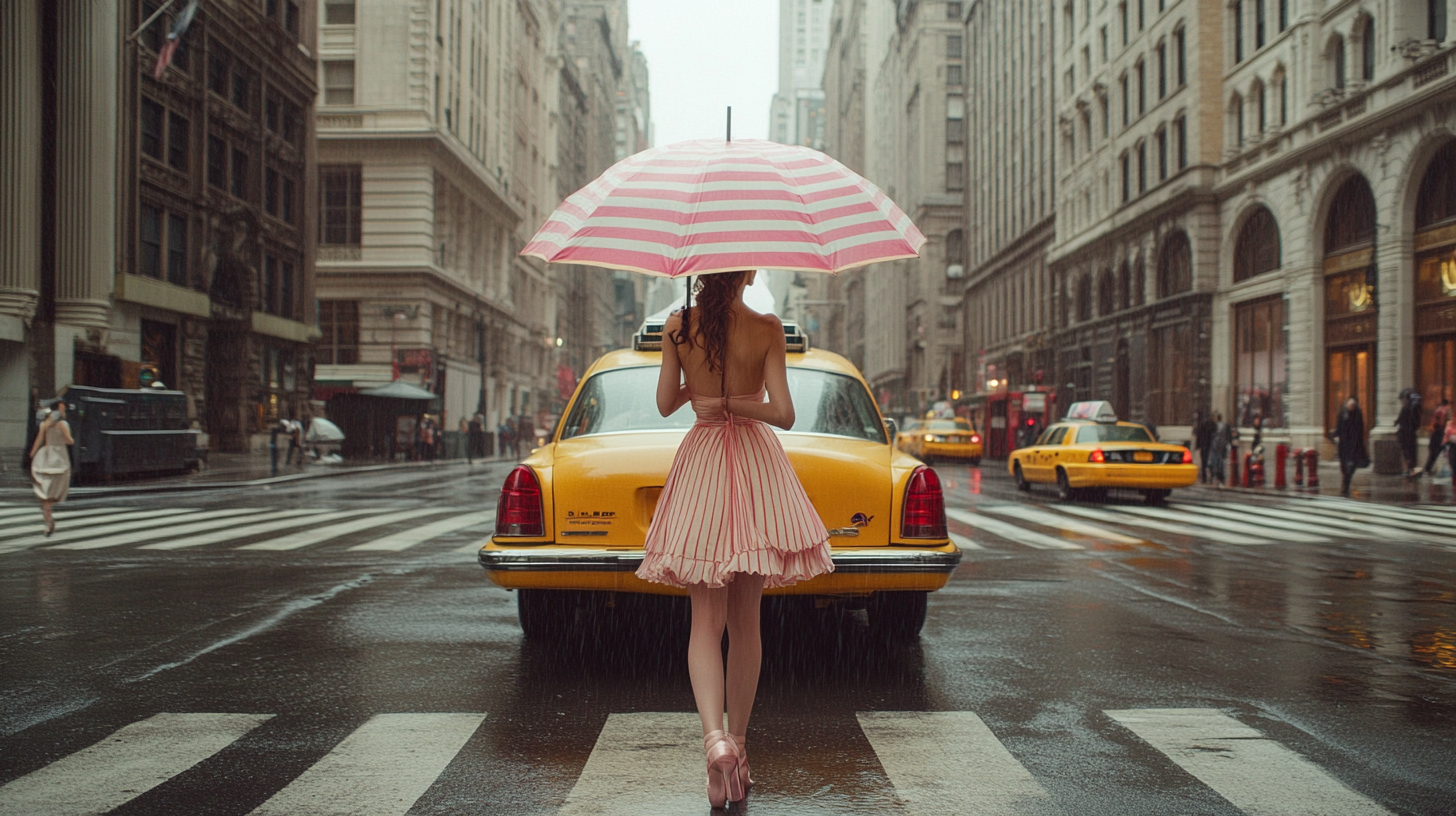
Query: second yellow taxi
point(932, 439)
point(1092, 450)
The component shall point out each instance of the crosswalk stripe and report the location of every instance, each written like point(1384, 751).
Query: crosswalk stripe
point(1407, 512)
point(1049, 519)
point(642, 763)
point(16, 511)
point(949, 762)
point(70, 522)
point(250, 530)
point(1255, 531)
point(1164, 526)
point(405, 539)
point(1258, 775)
point(1361, 511)
point(1308, 524)
point(307, 537)
point(1011, 532)
point(1334, 525)
point(222, 518)
point(964, 543)
point(69, 534)
point(379, 770)
point(125, 765)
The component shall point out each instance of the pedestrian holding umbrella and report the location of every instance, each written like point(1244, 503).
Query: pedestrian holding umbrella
point(723, 209)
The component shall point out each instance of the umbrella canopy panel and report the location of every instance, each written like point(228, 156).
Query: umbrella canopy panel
point(717, 206)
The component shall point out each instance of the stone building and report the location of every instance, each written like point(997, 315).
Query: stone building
point(796, 114)
point(1011, 194)
point(436, 145)
point(1336, 231)
point(158, 228)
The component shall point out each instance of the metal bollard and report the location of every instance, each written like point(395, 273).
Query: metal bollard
point(1311, 465)
point(1281, 455)
point(1234, 479)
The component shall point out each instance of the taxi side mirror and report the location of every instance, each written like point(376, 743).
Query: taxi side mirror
point(892, 429)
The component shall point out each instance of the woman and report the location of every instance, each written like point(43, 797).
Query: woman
point(1349, 437)
point(1218, 450)
point(50, 462)
point(1407, 425)
point(732, 518)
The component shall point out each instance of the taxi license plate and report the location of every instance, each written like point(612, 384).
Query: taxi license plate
point(1142, 456)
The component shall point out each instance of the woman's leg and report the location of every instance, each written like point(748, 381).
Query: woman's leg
point(45, 511)
point(745, 650)
point(705, 653)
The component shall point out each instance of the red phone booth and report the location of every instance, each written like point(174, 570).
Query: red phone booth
point(1009, 413)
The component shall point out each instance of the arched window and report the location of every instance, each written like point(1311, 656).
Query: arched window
point(1257, 250)
point(1256, 98)
point(1351, 222)
point(1175, 265)
point(1124, 286)
point(1436, 202)
point(1139, 282)
point(1084, 298)
point(1366, 31)
point(1436, 20)
point(1335, 55)
point(1106, 294)
point(1281, 88)
point(1236, 121)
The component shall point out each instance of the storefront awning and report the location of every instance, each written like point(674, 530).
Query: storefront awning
point(398, 390)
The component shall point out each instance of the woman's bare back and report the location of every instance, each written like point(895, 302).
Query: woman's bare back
point(750, 338)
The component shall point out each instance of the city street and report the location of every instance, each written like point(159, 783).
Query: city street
point(332, 646)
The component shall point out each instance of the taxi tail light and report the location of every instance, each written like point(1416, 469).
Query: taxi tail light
point(1187, 456)
point(975, 439)
point(1097, 457)
point(520, 512)
point(924, 513)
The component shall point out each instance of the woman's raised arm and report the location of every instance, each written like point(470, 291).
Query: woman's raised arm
point(671, 393)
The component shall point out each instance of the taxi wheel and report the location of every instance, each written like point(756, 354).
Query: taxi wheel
point(1155, 497)
point(1064, 488)
point(544, 613)
point(976, 462)
point(897, 616)
point(1021, 483)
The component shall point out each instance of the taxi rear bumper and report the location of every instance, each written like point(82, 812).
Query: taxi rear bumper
point(1146, 477)
point(952, 450)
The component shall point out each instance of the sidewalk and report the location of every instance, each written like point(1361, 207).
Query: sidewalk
point(1366, 486)
point(227, 470)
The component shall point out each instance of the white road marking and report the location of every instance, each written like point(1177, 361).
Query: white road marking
point(642, 763)
point(1164, 526)
point(220, 518)
point(1335, 525)
point(307, 537)
point(125, 765)
point(405, 539)
point(379, 770)
point(1259, 776)
point(1309, 524)
point(1343, 505)
point(1255, 531)
point(964, 543)
point(1362, 511)
point(235, 533)
point(1011, 532)
point(1049, 519)
point(69, 522)
point(65, 534)
point(949, 762)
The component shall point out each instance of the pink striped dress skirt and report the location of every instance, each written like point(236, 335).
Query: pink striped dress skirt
point(732, 503)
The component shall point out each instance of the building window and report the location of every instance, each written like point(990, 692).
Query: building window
point(339, 82)
point(1142, 168)
point(1435, 272)
point(1126, 101)
point(217, 162)
point(1283, 85)
point(179, 138)
point(1436, 200)
point(177, 249)
point(1366, 28)
point(149, 260)
point(152, 118)
point(217, 69)
point(241, 95)
point(339, 326)
point(1106, 116)
point(1175, 266)
point(1084, 298)
point(1106, 294)
point(953, 46)
point(1102, 38)
point(341, 203)
point(1238, 10)
point(955, 121)
point(1170, 374)
point(290, 18)
point(1126, 161)
point(1180, 55)
point(1124, 286)
point(1436, 20)
point(290, 196)
point(954, 76)
point(1283, 14)
point(272, 192)
point(1122, 12)
point(1142, 14)
point(239, 185)
point(1256, 96)
point(1180, 139)
point(1162, 138)
point(1260, 361)
point(1236, 120)
point(955, 176)
point(276, 295)
point(952, 11)
point(1257, 250)
point(1337, 61)
point(1142, 83)
point(1351, 222)
point(1162, 70)
point(1258, 24)
point(162, 245)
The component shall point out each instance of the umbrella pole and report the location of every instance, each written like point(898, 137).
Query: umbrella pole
point(730, 123)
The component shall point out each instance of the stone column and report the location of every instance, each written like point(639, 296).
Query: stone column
point(19, 167)
point(86, 194)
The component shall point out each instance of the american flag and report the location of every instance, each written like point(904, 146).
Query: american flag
point(174, 39)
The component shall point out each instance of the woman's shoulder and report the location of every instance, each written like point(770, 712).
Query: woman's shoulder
point(766, 325)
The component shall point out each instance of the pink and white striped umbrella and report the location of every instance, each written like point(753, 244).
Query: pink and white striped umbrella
point(717, 206)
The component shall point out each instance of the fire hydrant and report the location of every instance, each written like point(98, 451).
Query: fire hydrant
point(1254, 470)
point(1299, 467)
point(1281, 455)
point(1311, 465)
point(1234, 479)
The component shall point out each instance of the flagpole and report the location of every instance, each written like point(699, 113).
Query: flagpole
point(150, 20)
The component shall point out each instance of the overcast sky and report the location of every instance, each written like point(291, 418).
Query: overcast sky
point(705, 55)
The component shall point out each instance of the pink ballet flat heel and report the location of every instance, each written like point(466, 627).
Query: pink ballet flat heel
point(724, 785)
point(744, 777)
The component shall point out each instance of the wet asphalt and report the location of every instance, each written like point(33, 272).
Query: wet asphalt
point(1341, 651)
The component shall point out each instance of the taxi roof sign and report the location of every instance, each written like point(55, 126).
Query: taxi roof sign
point(1095, 410)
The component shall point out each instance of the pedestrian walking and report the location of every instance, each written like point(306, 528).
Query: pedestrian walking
point(475, 435)
point(729, 466)
point(1448, 444)
point(1203, 428)
point(465, 438)
point(279, 430)
point(1407, 425)
point(295, 441)
point(50, 462)
point(506, 437)
point(525, 434)
point(1349, 438)
point(1220, 437)
point(1439, 417)
point(427, 440)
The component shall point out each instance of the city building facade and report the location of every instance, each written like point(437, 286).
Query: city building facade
point(158, 223)
point(797, 112)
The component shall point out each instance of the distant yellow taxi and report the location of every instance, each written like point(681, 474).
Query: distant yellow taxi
point(572, 518)
point(1092, 450)
point(934, 439)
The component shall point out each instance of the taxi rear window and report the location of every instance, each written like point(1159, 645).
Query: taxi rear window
point(945, 425)
point(625, 399)
point(1113, 433)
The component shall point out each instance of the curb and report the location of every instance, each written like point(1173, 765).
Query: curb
point(188, 487)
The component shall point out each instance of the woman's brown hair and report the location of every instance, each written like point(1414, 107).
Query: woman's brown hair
point(715, 295)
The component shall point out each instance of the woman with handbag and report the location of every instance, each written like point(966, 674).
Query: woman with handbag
point(1349, 437)
point(50, 462)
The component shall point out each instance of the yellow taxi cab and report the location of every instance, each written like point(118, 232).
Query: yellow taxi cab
point(908, 436)
point(572, 517)
point(1091, 449)
point(946, 439)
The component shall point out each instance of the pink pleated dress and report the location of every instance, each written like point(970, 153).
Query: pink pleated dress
point(733, 504)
